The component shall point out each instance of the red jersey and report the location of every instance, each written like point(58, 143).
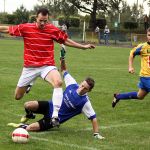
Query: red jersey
point(38, 44)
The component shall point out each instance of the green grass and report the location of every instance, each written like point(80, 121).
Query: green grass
point(126, 127)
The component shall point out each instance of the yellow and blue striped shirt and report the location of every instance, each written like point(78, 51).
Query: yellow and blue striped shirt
point(144, 51)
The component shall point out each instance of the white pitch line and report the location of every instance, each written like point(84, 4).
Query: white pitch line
point(104, 127)
point(120, 125)
point(63, 143)
point(85, 147)
point(40, 139)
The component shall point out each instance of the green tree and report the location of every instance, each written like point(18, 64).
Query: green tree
point(58, 7)
point(22, 15)
point(137, 12)
point(90, 7)
point(3, 18)
point(93, 7)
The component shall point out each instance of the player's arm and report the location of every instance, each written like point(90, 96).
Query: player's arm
point(72, 43)
point(135, 51)
point(131, 60)
point(95, 125)
point(90, 114)
point(4, 29)
point(96, 133)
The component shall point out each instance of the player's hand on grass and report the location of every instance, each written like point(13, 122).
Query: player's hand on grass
point(131, 70)
point(98, 136)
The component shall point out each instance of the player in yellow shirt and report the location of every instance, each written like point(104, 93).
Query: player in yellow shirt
point(144, 82)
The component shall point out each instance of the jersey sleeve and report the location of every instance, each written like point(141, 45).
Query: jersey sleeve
point(16, 30)
point(88, 110)
point(59, 35)
point(69, 79)
point(136, 50)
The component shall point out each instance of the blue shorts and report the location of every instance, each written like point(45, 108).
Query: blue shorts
point(144, 83)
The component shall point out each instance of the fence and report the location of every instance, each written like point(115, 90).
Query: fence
point(116, 37)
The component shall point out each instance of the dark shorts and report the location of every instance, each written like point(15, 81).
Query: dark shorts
point(45, 122)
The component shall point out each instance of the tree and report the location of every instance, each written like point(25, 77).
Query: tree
point(22, 15)
point(137, 12)
point(125, 12)
point(59, 7)
point(90, 7)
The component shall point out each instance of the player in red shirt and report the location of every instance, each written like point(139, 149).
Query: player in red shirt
point(39, 60)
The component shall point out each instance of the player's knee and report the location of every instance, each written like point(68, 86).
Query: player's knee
point(140, 97)
point(58, 83)
point(30, 128)
point(27, 105)
point(18, 96)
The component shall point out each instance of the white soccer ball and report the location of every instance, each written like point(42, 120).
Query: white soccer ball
point(20, 135)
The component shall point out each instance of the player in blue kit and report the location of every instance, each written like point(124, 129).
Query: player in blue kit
point(75, 102)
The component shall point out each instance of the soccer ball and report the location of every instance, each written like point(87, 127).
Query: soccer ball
point(20, 135)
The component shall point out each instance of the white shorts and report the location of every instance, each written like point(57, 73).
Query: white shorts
point(29, 75)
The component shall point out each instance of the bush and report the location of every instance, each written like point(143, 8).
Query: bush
point(32, 18)
point(130, 25)
point(75, 22)
point(71, 21)
point(101, 23)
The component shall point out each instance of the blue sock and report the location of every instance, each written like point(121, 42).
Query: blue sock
point(125, 96)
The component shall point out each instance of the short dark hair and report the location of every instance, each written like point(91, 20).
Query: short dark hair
point(148, 30)
point(90, 81)
point(43, 11)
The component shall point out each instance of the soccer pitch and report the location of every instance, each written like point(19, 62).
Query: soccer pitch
point(126, 127)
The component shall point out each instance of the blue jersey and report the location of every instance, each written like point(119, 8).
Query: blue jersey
point(73, 103)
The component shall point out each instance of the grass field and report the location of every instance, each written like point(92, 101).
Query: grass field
point(127, 127)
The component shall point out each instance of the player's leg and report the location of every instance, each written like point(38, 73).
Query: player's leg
point(129, 96)
point(42, 125)
point(54, 78)
point(20, 91)
point(29, 127)
point(141, 94)
point(35, 107)
point(62, 60)
point(143, 85)
point(30, 107)
point(25, 82)
point(33, 127)
point(124, 96)
point(62, 51)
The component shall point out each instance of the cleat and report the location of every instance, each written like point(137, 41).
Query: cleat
point(27, 117)
point(98, 136)
point(15, 125)
point(28, 89)
point(115, 101)
point(24, 126)
point(62, 53)
point(55, 122)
